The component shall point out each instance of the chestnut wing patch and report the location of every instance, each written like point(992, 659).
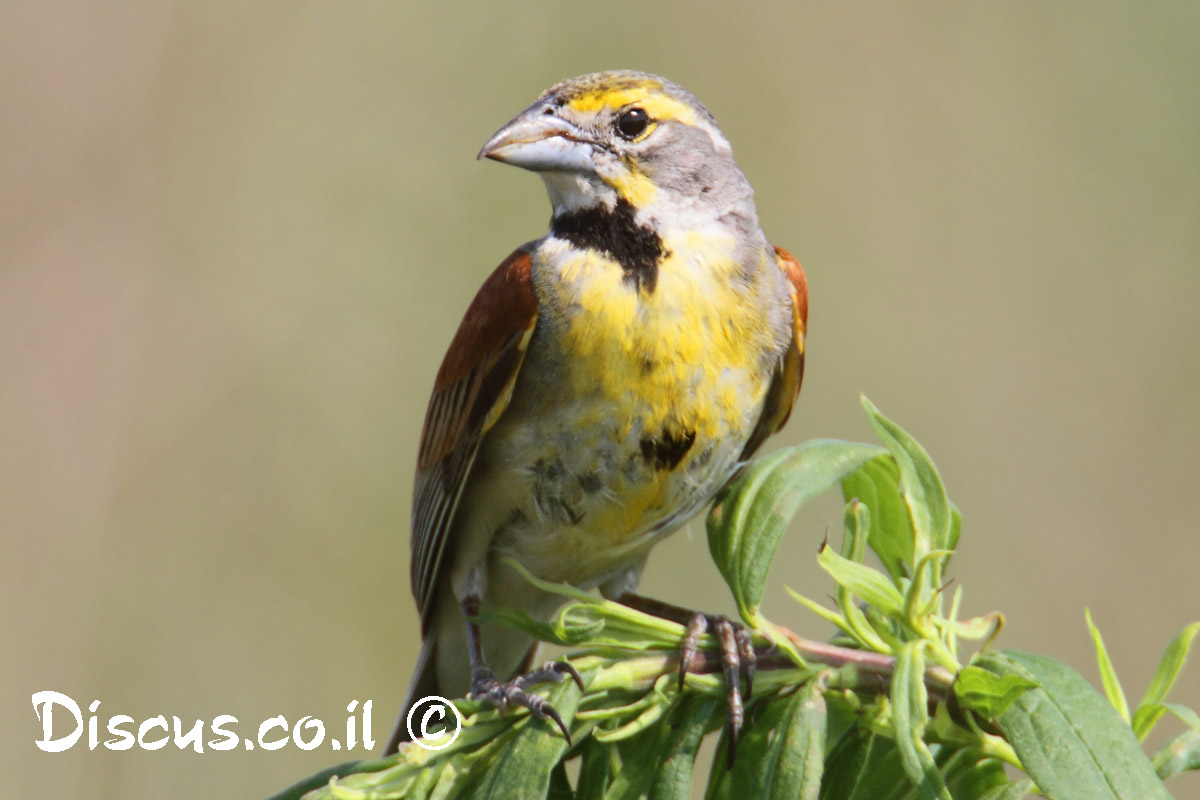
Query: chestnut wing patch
point(472, 389)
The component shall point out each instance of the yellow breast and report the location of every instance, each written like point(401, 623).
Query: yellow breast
point(688, 353)
point(636, 405)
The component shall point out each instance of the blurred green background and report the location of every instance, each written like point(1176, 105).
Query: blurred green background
point(235, 239)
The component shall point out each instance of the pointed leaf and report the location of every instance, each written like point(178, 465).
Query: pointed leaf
point(978, 780)
point(796, 757)
point(1187, 715)
point(523, 770)
point(1108, 675)
point(955, 527)
point(657, 763)
point(675, 757)
point(865, 582)
point(910, 713)
point(560, 784)
point(781, 755)
point(857, 522)
point(1164, 678)
point(746, 524)
point(864, 766)
point(987, 693)
point(923, 489)
point(595, 769)
point(1069, 739)
point(877, 485)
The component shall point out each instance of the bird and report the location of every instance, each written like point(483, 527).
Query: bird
point(606, 382)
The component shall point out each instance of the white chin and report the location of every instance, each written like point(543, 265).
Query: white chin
point(572, 191)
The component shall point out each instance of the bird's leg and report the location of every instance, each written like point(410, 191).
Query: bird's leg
point(738, 658)
point(487, 687)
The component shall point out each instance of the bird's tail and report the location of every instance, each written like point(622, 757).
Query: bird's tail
point(424, 683)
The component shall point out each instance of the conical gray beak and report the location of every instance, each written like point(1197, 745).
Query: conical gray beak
point(538, 139)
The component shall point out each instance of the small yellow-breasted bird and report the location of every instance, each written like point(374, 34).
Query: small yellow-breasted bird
point(608, 379)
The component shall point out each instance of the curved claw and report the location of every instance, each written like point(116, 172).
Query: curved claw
point(731, 753)
point(542, 710)
point(566, 668)
point(550, 672)
point(487, 687)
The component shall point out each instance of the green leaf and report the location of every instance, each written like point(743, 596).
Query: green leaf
point(1181, 754)
point(568, 629)
point(651, 714)
point(588, 620)
point(747, 522)
point(977, 780)
point(910, 713)
point(794, 762)
point(1010, 791)
point(1168, 670)
point(832, 617)
point(595, 769)
point(1150, 713)
point(877, 485)
point(303, 787)
point(1187, 715)
point(674, 758)
point(1070, 740)
point(781, 754)
point(1108, 675)
point(523, 769)
point(869, 584)
point(658, 761)
point(955, 527)
point(560, 784)
point(924, 492)
point(863, 766)
point(987, 693)
point(857, 522)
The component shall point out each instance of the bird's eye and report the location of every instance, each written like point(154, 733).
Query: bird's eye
point(632, 123)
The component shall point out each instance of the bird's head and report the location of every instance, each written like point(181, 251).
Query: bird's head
point(625, 137)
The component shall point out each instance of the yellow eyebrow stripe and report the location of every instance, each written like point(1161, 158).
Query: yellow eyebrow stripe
point(657, 105)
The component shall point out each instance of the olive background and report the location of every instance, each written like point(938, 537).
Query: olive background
point(236, 237)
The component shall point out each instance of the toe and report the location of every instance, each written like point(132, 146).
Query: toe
point(551, 672)
point(746, 653)
point(502, 694)
point(731, 666)
point(566, 668)
point(696, 626)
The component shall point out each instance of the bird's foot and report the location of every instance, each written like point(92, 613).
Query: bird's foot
point(738, 660)
point(487, 687)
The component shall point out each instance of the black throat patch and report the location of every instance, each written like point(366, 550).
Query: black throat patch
point(615, 233)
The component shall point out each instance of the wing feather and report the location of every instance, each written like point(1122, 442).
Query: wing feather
point(471, 391)
point(785, 385)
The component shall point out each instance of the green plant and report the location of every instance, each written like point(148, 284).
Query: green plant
point(890, 708)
